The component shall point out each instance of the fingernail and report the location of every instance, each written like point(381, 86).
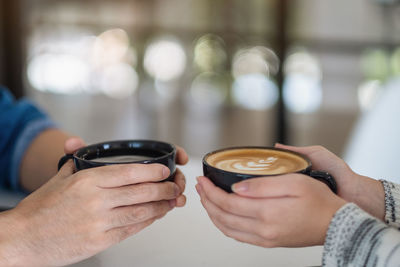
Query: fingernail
point(172, 203)
point(165, 172)
point(240, 187)
point(198, 188)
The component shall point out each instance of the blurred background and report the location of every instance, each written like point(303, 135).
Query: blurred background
point(204, 74)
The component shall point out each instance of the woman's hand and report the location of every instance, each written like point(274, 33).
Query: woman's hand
point(364, 191)
point(291, 210)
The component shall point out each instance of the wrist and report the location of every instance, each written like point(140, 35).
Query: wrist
point(12, 239)
point(332, 209)
point(369, 195)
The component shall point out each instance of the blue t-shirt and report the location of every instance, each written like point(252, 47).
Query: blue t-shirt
point(20, 122)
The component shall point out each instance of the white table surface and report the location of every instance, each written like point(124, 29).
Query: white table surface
point(187, 237)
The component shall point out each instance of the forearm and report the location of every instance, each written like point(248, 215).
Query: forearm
point(355, 238)
point(39, 163)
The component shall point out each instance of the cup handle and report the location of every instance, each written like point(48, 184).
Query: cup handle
point(325, 178)
point(64, 159)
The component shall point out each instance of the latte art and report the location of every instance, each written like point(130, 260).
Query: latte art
point(257, 161)
point(248, 165)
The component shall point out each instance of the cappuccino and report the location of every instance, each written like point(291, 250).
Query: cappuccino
point(228, 166)
point(257, 161)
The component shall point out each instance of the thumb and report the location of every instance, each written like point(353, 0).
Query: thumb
point(269, 187)
point(72, 144)
point(67, 169)
point(321, 158)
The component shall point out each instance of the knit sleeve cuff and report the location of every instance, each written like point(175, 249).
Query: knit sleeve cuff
point(392, 203)
point(348, 236)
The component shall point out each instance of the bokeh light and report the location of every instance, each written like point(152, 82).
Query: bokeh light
point(252, 69)
point(257, 59)
point(208, 91)
point(254, 91)
point(375, 64)
point(302, 92)
point(118, 80)
point(165, 59)
point(209, 53)
point(395, 62)
point(110, 47)
point(168, 91)
point(85, 64)
point(368, 93)
point(58, 73)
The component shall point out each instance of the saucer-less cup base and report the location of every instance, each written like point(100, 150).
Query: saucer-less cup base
point(225, 179)
point(124, 152)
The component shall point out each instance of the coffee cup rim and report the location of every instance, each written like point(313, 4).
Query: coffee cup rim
point(309, 164)
point(173, 151)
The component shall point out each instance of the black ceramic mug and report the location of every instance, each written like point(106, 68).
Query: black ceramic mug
point(123, 152)
point(228, 166)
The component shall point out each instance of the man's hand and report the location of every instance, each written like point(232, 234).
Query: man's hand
point(78, 214)
point(75, 143)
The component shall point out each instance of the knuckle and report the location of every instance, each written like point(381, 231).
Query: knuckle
point(97, 242)
point(120, 235)
point(227, 205)
point(268, 234)
point(263, 215)
point(142, 189)
point(98, 225)
point(129, 217)
point(228, 234)
point(139, 214)
point(169, 189)
point(221, 218)
point(266, 244)
point(162, 208)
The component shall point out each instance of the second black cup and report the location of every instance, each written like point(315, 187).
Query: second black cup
point(124, 152)
point(228, 166)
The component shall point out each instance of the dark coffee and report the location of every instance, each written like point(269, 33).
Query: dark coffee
point(123, 152)
point(121, 159)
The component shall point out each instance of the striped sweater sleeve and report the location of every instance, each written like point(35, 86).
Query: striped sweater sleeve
point(355, 238)
point(392, 203)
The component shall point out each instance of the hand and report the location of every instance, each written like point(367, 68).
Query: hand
point(76, 215)
point(366, 192)
point(75, 143)
point(181, 159)
point(283, 211)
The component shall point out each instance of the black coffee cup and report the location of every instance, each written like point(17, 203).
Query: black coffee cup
point(123, 152)
point(225, 167)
